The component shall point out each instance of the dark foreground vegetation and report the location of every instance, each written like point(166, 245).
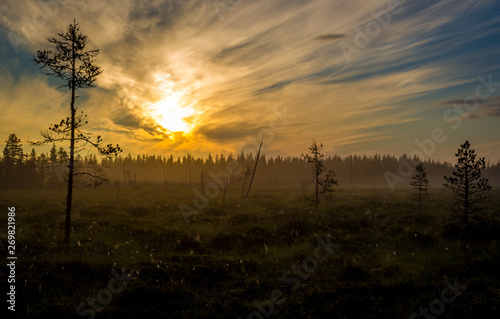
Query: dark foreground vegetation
point(255, 261)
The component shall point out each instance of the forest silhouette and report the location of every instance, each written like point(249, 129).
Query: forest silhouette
point(31, 170)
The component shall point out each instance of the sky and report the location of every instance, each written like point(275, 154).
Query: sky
point(186, 76)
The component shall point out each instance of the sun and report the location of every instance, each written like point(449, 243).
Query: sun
point(171, 114)
point(172, 111)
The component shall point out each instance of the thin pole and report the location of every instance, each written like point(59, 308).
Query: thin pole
point(254, 169)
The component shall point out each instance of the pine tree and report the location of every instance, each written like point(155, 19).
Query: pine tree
point(13, 150)
point(12, 162)
point(322, 185)
point(75, 67)
point(420, 183)
point(468, 187)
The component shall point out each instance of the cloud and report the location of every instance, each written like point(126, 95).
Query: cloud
point(452, 102)
point(231, 132)
point(489, 107)
point(492, 107)
point(331, 36)
point(246, 52)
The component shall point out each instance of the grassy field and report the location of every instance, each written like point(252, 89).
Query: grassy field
point(257, 261)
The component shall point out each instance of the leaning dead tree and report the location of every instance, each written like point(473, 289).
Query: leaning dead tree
point(253, 173)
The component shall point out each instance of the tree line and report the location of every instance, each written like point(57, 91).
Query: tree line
point(45, 170)
point(19, 169)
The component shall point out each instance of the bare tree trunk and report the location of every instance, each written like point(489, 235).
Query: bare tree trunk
point(69, 198)
point(466, 212)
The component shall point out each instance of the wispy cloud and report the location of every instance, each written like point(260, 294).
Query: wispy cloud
point(492, 107)
point(457, 102)
point(489, 107)
point(331, 36)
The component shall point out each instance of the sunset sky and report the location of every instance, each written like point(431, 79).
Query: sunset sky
point(199, 76)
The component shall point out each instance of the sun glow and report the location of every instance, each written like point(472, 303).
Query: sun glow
point(172, 111)
point(170, 114)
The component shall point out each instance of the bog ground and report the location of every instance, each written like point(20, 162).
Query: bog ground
point(266, 259)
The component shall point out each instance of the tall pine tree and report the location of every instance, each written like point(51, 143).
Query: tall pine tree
point(468, 187)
